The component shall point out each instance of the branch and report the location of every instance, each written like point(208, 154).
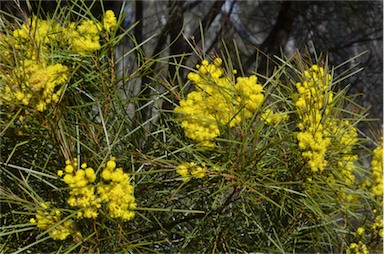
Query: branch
point(190, 217)
point(208, 19)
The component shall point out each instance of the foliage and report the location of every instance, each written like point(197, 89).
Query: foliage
point(234, 166)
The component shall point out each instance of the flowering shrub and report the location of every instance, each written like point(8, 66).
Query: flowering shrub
point(34, 80)
point(325, 139)
point(239, 165)
point(375, 229)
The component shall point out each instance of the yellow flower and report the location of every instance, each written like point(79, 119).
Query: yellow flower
point(34, 82)
point(357, 248)
point(198, 172)
point(378, 225)
point(106, 175)
point(314, 98)
point(187, 170)
point(182, 170)
point(117, 193)
point(69, 169)
point(109, 21)
point(270, 117)
point(90, 174)
point(118, 175)
point(218, 61)
point(84, 38)
point(360, 231)
point(216, 101)
point(111, 164)
point(377, 172)
point(68, 179)
point(47, 219)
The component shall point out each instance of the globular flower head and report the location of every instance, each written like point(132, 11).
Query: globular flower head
point(82, 194)
point(111, 164)
point(109, 20)
point(217, 101)
point(117, 192)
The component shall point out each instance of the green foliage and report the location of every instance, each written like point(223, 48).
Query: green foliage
point(251, 186)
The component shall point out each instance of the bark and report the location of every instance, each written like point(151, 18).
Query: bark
point(276, 39)
point(177, 47)
point(208, 19)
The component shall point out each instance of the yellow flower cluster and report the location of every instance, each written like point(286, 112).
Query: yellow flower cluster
point(35, 34)
point(34, 83)
point(314, 94)
point(82, 194)
point(114, 190)
point(320, 131)
point(360, 231)
point(84, 38)
point(249, 95)
point(357, 248)
point(344, 135)
point(217, 101)
point(377, 187)
point(30, 77)
point(271, 117)
point(109, 21)
point(45, 219)
point(378, 225)
point(377, 173)
point(188, 170)
point(117, 192)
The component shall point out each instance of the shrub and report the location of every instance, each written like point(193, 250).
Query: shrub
point(238, 165)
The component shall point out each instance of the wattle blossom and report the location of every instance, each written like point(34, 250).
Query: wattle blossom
point(217, 101)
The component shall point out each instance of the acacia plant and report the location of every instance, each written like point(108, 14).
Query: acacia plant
point(236, 164)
